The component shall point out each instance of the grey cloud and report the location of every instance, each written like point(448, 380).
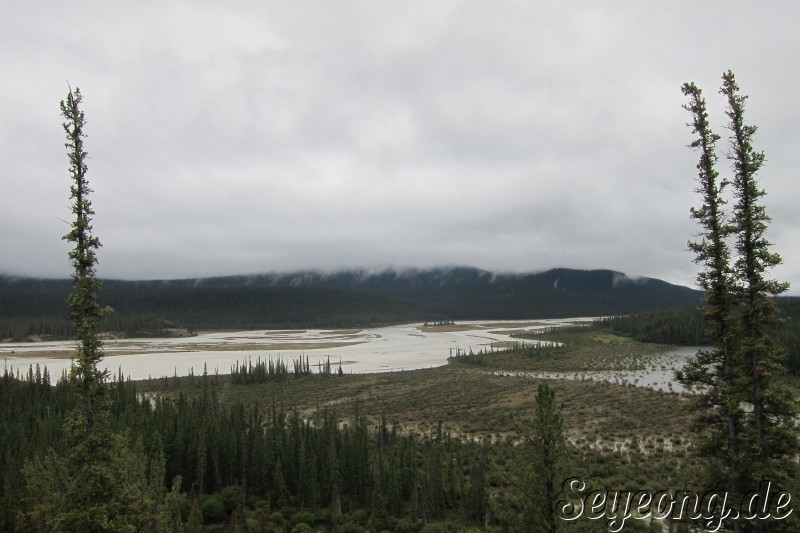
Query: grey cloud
point(270, 136)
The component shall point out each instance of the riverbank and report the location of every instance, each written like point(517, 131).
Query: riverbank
point(382, 349)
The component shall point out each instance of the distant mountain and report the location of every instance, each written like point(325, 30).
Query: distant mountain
point(337, 299)
point(464, 292)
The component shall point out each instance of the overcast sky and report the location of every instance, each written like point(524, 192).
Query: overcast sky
point(243, 137)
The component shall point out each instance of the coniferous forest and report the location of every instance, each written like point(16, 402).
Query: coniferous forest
point(194, 460)
point(686, 326)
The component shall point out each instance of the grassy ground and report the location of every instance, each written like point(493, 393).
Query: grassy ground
point(582, 349)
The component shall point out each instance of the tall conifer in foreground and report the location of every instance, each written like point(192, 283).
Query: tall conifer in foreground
point(549, 454)
point(761, 359)
point(543, 453)
point(745, 412)
point(716, 402)
point(98, 490)
point(85, 312)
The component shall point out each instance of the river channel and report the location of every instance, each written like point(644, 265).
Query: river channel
point(384, 349)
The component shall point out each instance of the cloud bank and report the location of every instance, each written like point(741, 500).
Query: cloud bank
point(268, 136)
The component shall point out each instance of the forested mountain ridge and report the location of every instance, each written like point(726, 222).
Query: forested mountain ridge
point(36, 307)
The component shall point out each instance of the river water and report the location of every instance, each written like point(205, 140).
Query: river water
point(658, 372)
point(384, 349)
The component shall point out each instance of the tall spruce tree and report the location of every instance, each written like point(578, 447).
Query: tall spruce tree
point(745, 412)
point(761, 359)
point(85, 312)
point(542, 461)
point(101, 488)
point(549, 453)
point(712, 371)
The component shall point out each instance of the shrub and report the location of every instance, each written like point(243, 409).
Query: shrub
point(277, 518)
point(302, 517)
point(323, 516)
point(439, 528)
point(213, 510)
point(229, 496)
